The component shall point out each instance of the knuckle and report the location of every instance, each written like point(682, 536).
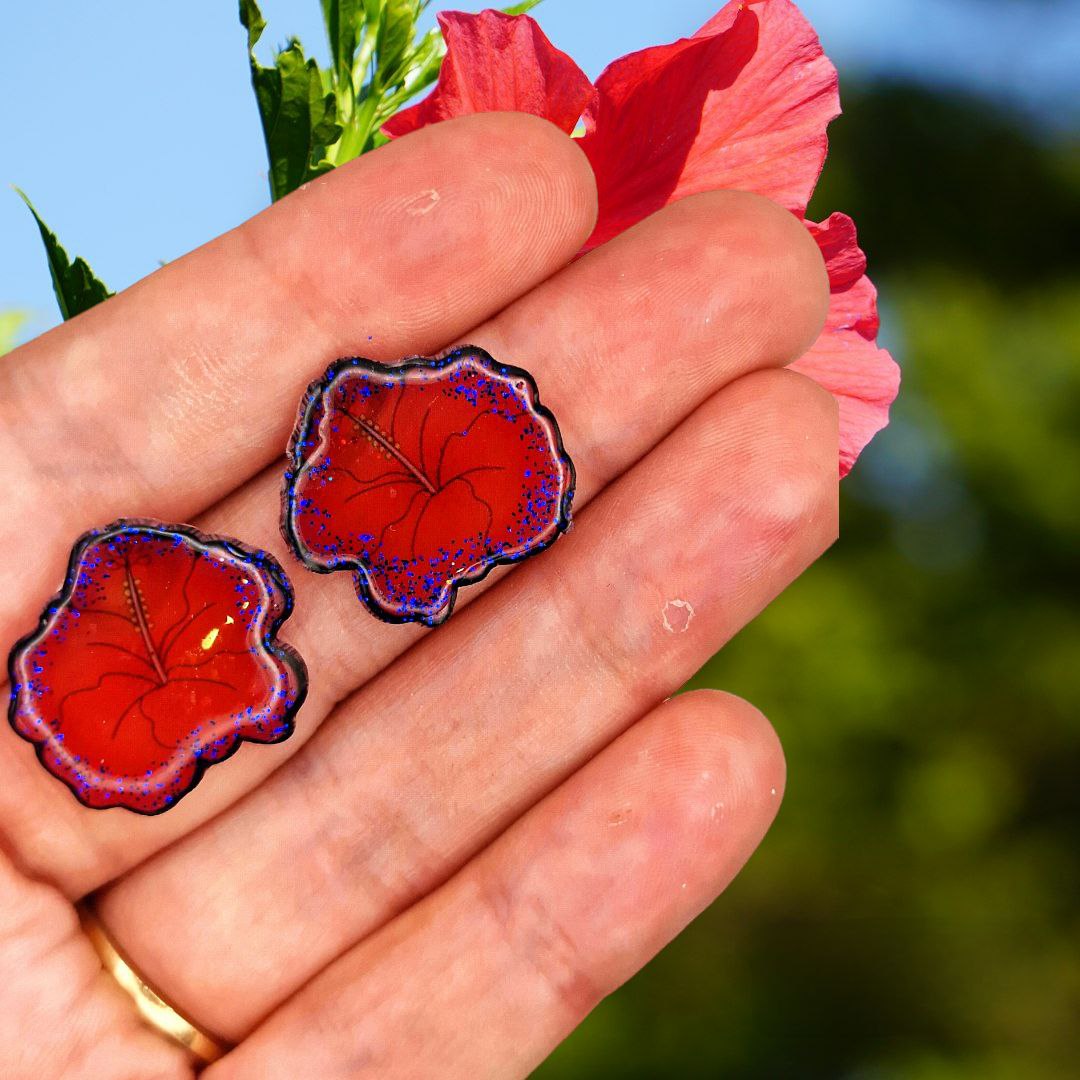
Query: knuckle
point(609, 653)
point(524, 921)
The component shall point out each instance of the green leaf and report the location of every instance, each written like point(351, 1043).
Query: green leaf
point(393, 44)
point(424, 66)
point(316, 119)
point(76, 287)
point(386, 67)
point(342, 19)
point(520, 9)
point(251, 18)
point(10, 324)
point(298, 111)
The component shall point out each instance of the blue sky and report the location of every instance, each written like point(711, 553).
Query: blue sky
point(132, 125)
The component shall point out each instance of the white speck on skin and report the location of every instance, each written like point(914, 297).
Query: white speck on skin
point(683, 885)
point(677, 616)
point(423, 203)
point(772, 791)
point(716, 810)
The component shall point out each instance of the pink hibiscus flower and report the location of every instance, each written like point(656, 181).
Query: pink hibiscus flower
point(743, 104)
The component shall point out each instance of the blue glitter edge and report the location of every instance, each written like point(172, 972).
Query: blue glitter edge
point(302, 431)
point(261, 561)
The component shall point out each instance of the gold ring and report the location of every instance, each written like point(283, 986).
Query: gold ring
point(154, 1009)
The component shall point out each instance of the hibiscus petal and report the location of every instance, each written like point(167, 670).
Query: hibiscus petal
point(845, 359)
point(497, 63)
point(158, 658)
point(742, 104)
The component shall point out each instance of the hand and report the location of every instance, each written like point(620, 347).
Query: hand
point(475, 832)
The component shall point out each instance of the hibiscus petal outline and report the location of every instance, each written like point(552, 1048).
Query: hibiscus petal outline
point(742, 104)
point(845, 359)
point(638, 173)
point(306, 440)
point(280, 593)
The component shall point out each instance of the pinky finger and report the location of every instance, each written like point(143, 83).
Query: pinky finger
point(487, 975)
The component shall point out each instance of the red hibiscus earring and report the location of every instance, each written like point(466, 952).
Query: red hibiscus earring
point(156, 660)
point(421, 476)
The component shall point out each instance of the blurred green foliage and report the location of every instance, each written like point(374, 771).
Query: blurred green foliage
point(914, 913)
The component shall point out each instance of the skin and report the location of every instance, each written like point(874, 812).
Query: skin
point(501, 820)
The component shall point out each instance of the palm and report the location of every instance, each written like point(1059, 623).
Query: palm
point(475, 833)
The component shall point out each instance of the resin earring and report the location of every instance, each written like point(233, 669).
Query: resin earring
point(156, 660)
point(421, 476)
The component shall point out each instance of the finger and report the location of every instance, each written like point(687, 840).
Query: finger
point(561, 910)
point(445, 749)
point(718, 285)
point(62, 1016)
point(162, 400)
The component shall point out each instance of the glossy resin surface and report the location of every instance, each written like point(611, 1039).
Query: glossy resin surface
point(156, 660)
point(420, 477)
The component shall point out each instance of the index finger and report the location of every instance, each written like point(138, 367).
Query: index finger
point(164, 399)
